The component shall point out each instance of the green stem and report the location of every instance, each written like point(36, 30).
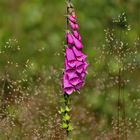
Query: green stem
point(65, 113)
point(66, 110)
point(67, 103)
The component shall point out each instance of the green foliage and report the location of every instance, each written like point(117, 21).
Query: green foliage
point(67, 109)
point(70, 127)
point(65, 114)
point(64, 125)
point(66, 117)
point(61, 110)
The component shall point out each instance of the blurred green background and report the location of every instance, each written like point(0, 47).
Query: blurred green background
point(32, 36)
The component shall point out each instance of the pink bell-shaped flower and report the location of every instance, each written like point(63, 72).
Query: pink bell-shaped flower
point(71, 18)
point(71, 60)
point(79, 67)
point(68, 88)
point(78, 44)
point(70, 38)
point(75, 59)
point(79, 54)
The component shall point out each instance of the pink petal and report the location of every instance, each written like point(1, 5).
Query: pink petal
point(77, 52)
point(79, 85)
point(83, 74)
point(80, 38)
point(79, 55)
point(76, 26)
point(71, 60)
point(68, 68)
point(76, 34)
point(66, 65)
point(74, 75)
point(74, 81)
point(71, 71)
point(79, 70)
point(66, 82)
point(69, 54)
point(73, 25)
point(69, 90)
point(84, 57)
point(81, 58)
point(72, 63)
point(85, 66)
point(69, 38)
point(72, 19)
point(73, 78)
point(79, 64)
point(79, 67)
point(77, 43)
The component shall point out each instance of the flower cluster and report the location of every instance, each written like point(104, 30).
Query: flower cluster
point(75, 59)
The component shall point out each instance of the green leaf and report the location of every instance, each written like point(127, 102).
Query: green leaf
point(66, 117)
point(61, 110)
point(70, 127)
point(67, 109)
point(64, 125)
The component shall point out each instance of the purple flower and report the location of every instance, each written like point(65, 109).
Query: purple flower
point(76, 34)
point(78, 43)
point(67, 86)
point(72, 19)
point(74, 26)
point(75, 59)
point(70, 38)
point(80, 56)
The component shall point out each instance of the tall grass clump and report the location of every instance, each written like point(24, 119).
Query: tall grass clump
point(118, 66)
point(28, 97)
